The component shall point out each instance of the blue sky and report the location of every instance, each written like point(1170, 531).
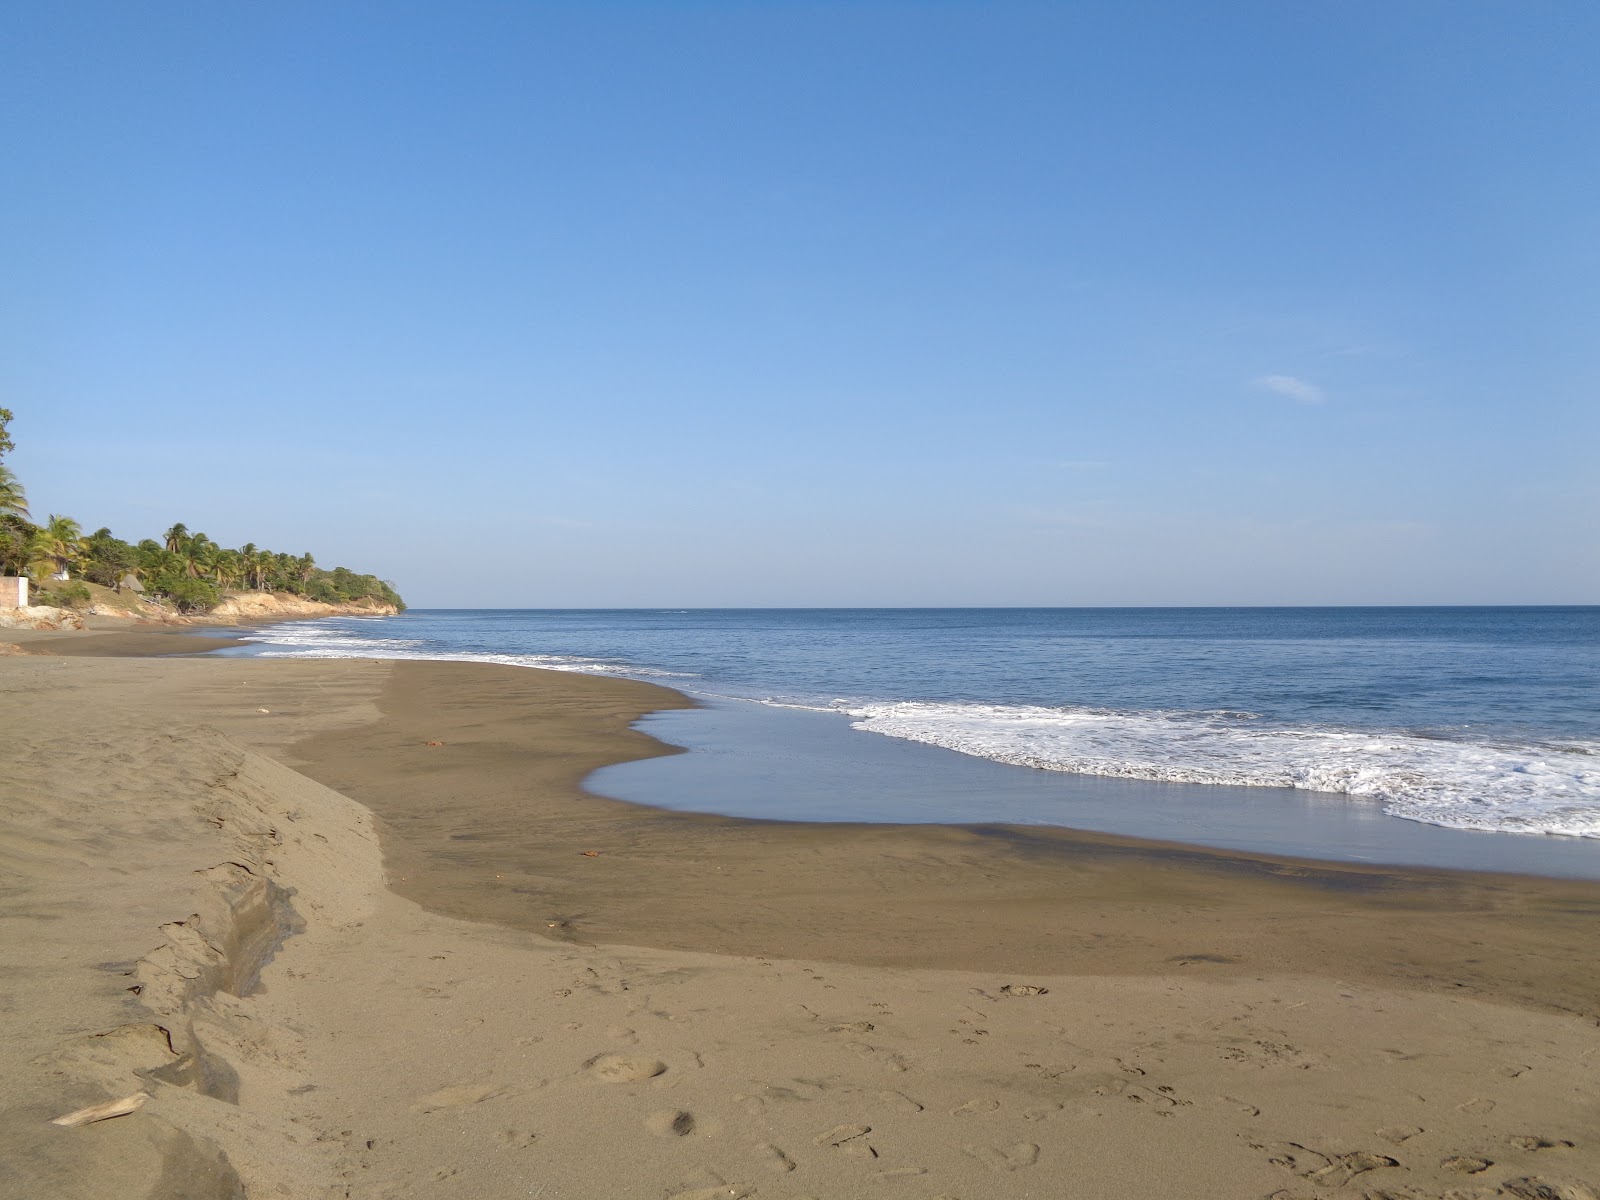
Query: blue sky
point(819, 304)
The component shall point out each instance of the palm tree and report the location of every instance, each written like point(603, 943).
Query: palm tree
point(229, 568)
point(13, 500)
point(305, 567)
point(176, 537)
point(155, 559)
point(56, 544)
point(200, 555)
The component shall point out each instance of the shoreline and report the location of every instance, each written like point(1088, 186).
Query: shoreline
point(754, 761)
point(106, 636)
point(111, 638)
point(970, 897)
point(712, 1007)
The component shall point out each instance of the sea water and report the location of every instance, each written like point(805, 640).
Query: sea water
point(1480, 719)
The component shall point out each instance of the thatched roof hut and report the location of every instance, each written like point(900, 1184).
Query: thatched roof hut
point(130, 583)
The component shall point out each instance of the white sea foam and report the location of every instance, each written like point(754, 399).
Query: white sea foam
point(1552, 788)
point(304, 640)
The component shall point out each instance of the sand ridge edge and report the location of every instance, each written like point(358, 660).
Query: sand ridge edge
point(113, 817)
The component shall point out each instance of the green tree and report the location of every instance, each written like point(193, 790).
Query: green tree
point(199, 554)
point(15, 530)
point(192, 595)
point(57, 543)
point(16, 544)
point(176, 537)
point(107, 558)
point(13, 500)
point(229, 568)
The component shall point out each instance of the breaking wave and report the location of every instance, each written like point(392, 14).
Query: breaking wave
point(1549, 788)
point(308, 640)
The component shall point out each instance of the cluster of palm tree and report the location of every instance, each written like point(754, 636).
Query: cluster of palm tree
point(192, 570)
point(198, 557)
point(189, 569)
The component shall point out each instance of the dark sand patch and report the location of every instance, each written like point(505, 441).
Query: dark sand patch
point(493, 826)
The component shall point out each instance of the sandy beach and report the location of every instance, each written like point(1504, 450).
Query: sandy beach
point(355, 930)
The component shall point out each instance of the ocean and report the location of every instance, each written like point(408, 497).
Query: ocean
point(1470, 719)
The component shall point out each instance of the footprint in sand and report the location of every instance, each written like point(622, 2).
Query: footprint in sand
point(1328, 1170)
point(1466, 1164)
point(1160, 1097)
point(1263, 1054)
point(458, 1096)
point(1532, 1141)
point(893, 1173)
point(1399, 1134)
point(1530, 1187)
point(774, 1159)
point(516, 1139)
point(901, 1101)
point(621, 1068)
point(670, 1122)
point(973, 1107)
point(841, 1134)
point(704, 1184)
point(1005, 1158)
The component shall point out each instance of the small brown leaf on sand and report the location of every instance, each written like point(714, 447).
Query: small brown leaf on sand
point(591, 853)
point(103, 1112)
point(435, 743)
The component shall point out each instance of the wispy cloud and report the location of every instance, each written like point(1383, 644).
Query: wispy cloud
point(1291, 387)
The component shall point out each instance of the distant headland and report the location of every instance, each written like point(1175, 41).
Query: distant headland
point(185, 576)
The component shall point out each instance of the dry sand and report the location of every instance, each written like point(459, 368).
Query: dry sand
point(707, 1007)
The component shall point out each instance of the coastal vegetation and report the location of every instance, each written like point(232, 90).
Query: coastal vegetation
point(184, 568)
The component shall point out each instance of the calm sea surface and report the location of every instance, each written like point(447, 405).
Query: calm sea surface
point(1469, 718)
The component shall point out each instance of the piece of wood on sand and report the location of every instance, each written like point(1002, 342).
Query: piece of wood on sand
point(103, 1112)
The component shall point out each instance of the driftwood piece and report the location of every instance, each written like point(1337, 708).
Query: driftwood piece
point(103, 1112)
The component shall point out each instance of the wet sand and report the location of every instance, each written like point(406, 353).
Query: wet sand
point(534, 991)
point(492, 825)
point(107, 637)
